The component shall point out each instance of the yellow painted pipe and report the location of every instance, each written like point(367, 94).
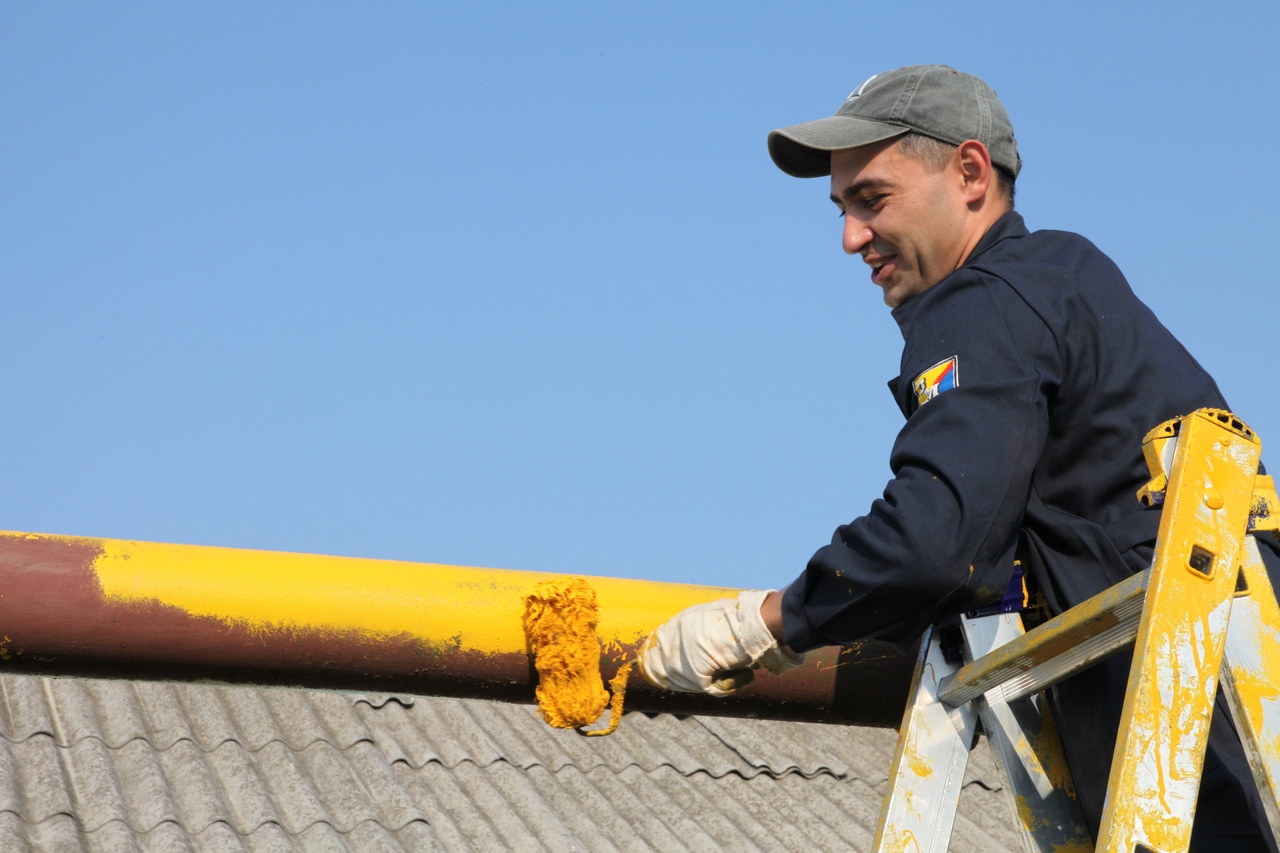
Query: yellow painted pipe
point(117, 608)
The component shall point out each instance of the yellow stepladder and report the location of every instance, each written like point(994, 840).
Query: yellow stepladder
point(1205, 606)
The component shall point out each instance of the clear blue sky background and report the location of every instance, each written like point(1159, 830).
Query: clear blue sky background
point(517, 285)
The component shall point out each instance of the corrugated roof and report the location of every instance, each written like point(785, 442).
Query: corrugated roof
point(116, 765)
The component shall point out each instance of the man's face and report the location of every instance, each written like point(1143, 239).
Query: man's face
point(903, 216)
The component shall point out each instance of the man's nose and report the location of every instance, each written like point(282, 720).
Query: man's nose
point(857, 235)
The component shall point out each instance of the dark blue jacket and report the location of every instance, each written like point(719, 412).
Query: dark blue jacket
point(1029, 377)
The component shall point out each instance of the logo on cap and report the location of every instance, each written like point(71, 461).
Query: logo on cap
point(857, 93)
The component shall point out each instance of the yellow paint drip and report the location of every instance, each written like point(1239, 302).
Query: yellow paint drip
point(560, 619)
point(617, 684)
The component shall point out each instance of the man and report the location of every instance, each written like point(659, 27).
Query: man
point(1030, 374)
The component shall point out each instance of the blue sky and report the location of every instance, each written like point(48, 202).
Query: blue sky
point(516, 285)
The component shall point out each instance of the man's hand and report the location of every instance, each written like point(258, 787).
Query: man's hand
point(711, 648)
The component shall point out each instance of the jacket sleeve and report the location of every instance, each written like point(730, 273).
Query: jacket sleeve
point(941, 540)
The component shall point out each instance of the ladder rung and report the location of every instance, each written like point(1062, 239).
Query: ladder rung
point(1086, 633)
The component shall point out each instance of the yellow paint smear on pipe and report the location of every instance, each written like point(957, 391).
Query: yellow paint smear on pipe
point(472, 608)
point(560, 619)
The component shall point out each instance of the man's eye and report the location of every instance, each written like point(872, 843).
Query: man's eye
point(871, 202)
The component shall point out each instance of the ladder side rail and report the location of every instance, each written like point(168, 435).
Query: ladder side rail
point(929, 761)
point(1028, 752)
point(1159, 753)
point(1251, 678)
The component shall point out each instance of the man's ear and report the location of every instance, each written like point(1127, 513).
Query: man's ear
point(976, 171)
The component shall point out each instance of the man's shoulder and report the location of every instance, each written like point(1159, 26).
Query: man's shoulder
point(1057, 276)
point(1057, 272)
point(1044, 248)
point(972, 303)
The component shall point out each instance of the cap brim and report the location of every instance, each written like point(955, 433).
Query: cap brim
point(804, 150)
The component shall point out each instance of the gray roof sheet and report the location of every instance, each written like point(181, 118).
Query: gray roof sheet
point(117, 765)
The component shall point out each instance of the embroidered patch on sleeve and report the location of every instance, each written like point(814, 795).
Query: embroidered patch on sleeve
point(943, 376)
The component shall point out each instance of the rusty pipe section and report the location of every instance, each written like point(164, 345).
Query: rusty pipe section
point(108, 608)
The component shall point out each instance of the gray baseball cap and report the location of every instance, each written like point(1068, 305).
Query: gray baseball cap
point(934, 100)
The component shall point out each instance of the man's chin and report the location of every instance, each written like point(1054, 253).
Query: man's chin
point(899, 292)
point(893, 296)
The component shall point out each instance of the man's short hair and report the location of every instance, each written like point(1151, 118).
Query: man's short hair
point(935, 154)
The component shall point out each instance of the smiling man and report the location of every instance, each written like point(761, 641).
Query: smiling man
point(911, 222)
point(1029, 375)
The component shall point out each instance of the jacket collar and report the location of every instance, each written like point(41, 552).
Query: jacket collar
point(1007, 227)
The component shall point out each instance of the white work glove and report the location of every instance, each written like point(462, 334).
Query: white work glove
point(712, 647)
